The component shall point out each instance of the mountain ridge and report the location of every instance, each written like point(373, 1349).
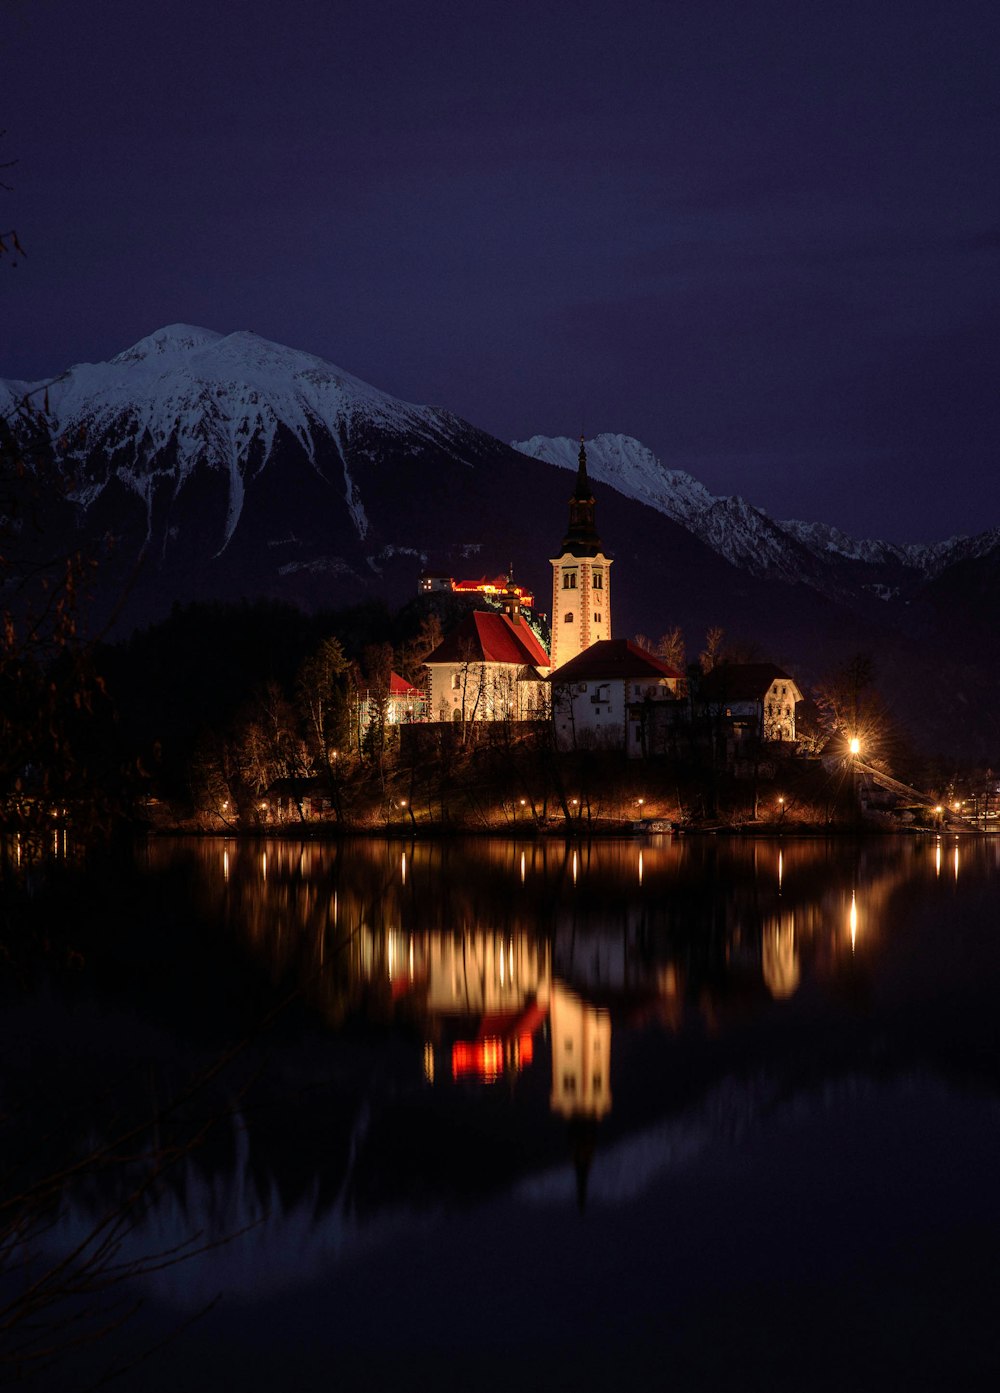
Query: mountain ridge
point(227, 467)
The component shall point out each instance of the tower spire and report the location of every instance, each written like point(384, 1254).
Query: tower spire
point(582, 482)
point(581, 538)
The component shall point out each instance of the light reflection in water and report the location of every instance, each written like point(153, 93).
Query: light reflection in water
point(474, 971)
point(937, 858)
point(779, 956)
point(956, 860)
point(853, 918)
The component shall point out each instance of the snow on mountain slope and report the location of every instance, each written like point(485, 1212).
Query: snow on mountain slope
point(187, 396)
point(742, 533)
point(929, 558)
point(630, 467)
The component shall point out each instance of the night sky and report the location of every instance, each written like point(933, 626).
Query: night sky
point(759, 235)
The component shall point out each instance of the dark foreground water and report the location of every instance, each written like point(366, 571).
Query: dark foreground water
point(700, 1114)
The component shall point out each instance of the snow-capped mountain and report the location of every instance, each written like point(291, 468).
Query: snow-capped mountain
point(187, 397)
point(226, 467)
point(744, 534)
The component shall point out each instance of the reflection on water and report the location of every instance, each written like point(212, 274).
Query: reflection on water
point(557, 1025)
point(507, 958)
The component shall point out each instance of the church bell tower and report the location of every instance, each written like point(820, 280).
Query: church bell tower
point(581, 578)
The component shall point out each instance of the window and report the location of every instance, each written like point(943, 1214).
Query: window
point(456, 681)
point(568, 617)
point(598, 580)
point(597, 618)
point(569, 580)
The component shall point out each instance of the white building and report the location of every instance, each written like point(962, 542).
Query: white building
point(607, 697)
point(491, 668)
point(751, 701)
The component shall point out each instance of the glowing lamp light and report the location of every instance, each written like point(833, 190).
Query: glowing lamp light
point(855, 745)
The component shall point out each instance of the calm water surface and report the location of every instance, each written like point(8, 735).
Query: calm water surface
point(708, 1113)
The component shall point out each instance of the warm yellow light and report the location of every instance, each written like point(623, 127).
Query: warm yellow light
point(855, 745)
point(853, 919)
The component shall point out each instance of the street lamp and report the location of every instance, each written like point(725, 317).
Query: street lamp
point(855, 746)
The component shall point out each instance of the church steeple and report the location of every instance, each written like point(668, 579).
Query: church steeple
point(581, 577)
point(581, 537)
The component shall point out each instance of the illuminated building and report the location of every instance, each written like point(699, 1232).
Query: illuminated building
point(581, 578)
point(432, 582)
point(489, 669)
point(609, 695)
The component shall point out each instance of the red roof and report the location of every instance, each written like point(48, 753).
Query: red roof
point(487, 637)
point(398, 686)
point(612, 658)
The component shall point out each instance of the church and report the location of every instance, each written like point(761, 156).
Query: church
point(493, 667)
point(601, 692)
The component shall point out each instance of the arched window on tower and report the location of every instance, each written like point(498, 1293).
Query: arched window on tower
point(569, 580)
point(568, 617)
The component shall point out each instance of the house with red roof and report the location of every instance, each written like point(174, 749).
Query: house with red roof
point(613, 695)
point(491, 668)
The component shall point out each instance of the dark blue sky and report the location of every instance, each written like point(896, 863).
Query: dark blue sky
point(760, 235)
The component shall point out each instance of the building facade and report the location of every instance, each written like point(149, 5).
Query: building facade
point(607, 697)
point(491, 668)
point(750, 701)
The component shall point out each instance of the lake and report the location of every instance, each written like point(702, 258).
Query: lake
point(706, 1112)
